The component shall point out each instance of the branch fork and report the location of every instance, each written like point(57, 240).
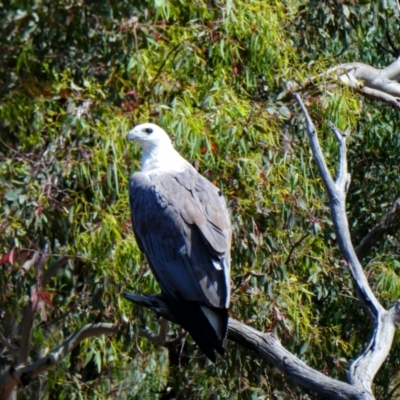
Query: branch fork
point(364, 368)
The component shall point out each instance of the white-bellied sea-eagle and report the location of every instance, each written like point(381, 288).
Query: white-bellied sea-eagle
point(181, 224)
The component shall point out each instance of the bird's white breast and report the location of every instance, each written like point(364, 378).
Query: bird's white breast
point(159, 160)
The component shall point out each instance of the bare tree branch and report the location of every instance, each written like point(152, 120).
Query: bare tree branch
point(377, 233)
point(23, 374)
point(268, 346)
point(160, 339)
point(316, 149)
point(343, 177)
point(157, 339)
point(365, 367)
point(374, 83)
point(337, 197)
point(162, 336)
point(382, 96)
point(358, 74)
point(392, 71)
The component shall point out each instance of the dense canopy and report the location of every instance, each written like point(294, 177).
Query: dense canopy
point(75, 76)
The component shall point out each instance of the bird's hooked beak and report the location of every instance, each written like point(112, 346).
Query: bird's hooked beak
point(132, 135)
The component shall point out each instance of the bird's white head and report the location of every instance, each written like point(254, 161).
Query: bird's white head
point(149, 136)
point(158, 153)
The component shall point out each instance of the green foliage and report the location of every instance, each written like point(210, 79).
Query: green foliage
point(77, 75)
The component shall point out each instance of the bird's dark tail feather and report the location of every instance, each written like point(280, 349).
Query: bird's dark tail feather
point(190, 315)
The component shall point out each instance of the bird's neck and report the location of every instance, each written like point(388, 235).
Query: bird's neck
point(163, 159)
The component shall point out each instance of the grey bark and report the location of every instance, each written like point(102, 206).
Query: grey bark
point(364, 368)
point(378, 84)
point(23, 374)
point(268, 347)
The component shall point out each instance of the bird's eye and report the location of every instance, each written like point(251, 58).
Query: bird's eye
point(148, 130)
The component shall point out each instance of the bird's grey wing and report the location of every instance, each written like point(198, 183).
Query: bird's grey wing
point(202, 207)
point(167, 218)
point(165, 238)
point(207, 201)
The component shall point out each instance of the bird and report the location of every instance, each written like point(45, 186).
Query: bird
point(181, 223)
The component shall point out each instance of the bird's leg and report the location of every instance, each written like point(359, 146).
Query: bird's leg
point(162, 336)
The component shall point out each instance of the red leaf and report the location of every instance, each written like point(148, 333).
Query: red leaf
point(8, 257)
point(46, 298)
point(4, 259)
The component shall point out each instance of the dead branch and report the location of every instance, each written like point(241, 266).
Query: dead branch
point(365, 367)
point(378, 84)
point(23, 374)
point(337, 197)
point(268, 347)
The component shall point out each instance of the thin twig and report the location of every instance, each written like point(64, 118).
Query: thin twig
point(294, 246)
point(154, 80)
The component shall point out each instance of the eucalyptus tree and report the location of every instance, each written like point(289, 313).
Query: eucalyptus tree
point(76, 76)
